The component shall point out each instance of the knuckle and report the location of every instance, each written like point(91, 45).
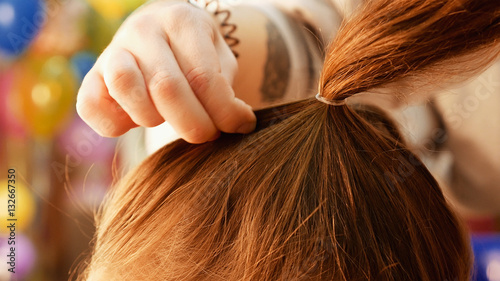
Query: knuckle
point(137, 96)
point(164, 84)
point(140, 24)
point(178, 15)
point(199, 79)
point(207, 26)
point(182, 16)
point(121, 78)
point(182, 11)
point(133, 99)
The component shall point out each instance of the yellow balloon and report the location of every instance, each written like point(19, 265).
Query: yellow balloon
point(19, 203)
point(100, 31)
point(46, 90)
point(131, 5)
point(115, 9)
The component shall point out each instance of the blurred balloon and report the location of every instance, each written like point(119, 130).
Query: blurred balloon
point(82, 142)
point(20, 21)
point(115, 9)
point(487, 257)
point(67, 20)
point(46, 90)
point(25, 256)
point(8, 122)
point(100, 31)
point(83, 147)
point(82, 62)
point(4, 252)
point(24, 205)
point(5, 62)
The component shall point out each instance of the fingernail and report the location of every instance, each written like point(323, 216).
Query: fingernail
point(246, 128)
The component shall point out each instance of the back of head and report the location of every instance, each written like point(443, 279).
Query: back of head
point(317, 192)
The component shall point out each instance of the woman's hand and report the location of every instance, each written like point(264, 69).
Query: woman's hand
point(167, 62)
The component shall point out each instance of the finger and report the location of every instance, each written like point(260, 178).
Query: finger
point(169, 89)
point(201, 65)
point(99, 110)
point(126, 86)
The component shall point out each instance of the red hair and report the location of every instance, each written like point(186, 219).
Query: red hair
point(317, 192)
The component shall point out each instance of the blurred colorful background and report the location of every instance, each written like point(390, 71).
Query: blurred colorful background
point(62, 167)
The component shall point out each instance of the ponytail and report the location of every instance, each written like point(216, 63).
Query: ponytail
point(427, 41)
